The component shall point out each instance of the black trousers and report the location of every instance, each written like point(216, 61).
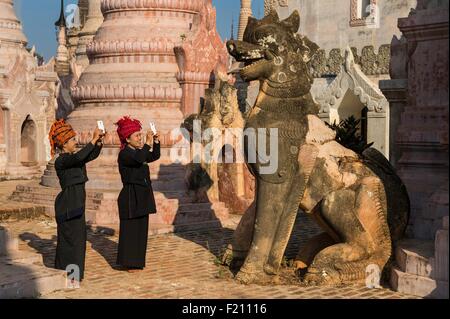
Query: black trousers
point(133, 242)
point(71, 244)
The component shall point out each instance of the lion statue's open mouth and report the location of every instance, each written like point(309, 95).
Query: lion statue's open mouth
point(254, 57)
point(270, 47)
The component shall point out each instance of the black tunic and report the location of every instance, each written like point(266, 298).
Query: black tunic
point(70, 207)
point(136, 198)
point(71, 171)
point(136, 202)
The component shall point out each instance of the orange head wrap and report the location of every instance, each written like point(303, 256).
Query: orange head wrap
point(59, 134)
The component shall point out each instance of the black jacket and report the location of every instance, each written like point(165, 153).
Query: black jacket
point(136, 198)
point(71, 171)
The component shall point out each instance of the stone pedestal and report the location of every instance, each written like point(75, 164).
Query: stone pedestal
point(422, 266)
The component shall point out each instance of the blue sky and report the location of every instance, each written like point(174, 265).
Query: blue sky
point(38, 17)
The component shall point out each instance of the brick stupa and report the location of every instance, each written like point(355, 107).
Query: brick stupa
point(152, 60)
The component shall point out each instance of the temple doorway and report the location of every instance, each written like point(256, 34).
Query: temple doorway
point(351, 106)
point(28, 139)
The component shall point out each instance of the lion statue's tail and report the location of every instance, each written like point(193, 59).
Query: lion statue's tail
point(398, 204)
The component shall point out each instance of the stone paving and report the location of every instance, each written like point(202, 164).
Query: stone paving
point(180, 266)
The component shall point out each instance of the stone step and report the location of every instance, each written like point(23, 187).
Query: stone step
point(21, 257)
point(412, 284)
point(37, 189)
point(181, 200)
point(20, 211)
point(29, 281)
point(38, 196)
point(89, 193)
point(50, 195)
point(46, 196)
point(194, 216)
point(189, 207)
point(413, 257)
point(164, 163)
point(174, 204)
point(154, 174)
point(168, 185)
point(171, 194)
point(39, 192)
point(48, 199)
point(158, 166)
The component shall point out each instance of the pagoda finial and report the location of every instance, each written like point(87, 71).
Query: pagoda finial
point(61, 21)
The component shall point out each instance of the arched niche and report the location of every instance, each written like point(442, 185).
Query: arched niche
point(353, 93)
point(351, 105)
point(28, 140)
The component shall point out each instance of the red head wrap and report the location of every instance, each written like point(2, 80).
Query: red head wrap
point(59, 134)
point(125, 127)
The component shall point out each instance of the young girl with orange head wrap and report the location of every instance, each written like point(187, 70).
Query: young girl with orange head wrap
point(71, 201)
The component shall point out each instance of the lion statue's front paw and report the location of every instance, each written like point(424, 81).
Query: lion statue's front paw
point(321, 277)
point(246, 278)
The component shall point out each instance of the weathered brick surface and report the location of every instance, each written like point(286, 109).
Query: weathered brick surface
point(13, 210)
point(181, 265)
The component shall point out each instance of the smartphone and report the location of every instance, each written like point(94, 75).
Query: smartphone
point(101, 126)
point(153, 128)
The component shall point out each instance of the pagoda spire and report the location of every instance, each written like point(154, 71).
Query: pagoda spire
point(62, 55)
point(10, 26)
point(245, 13)
point(93, 22)
point(232, 29)
point(62, 20)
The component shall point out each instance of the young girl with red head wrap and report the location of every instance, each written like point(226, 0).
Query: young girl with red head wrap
point(136, 200)
point(70, 203)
